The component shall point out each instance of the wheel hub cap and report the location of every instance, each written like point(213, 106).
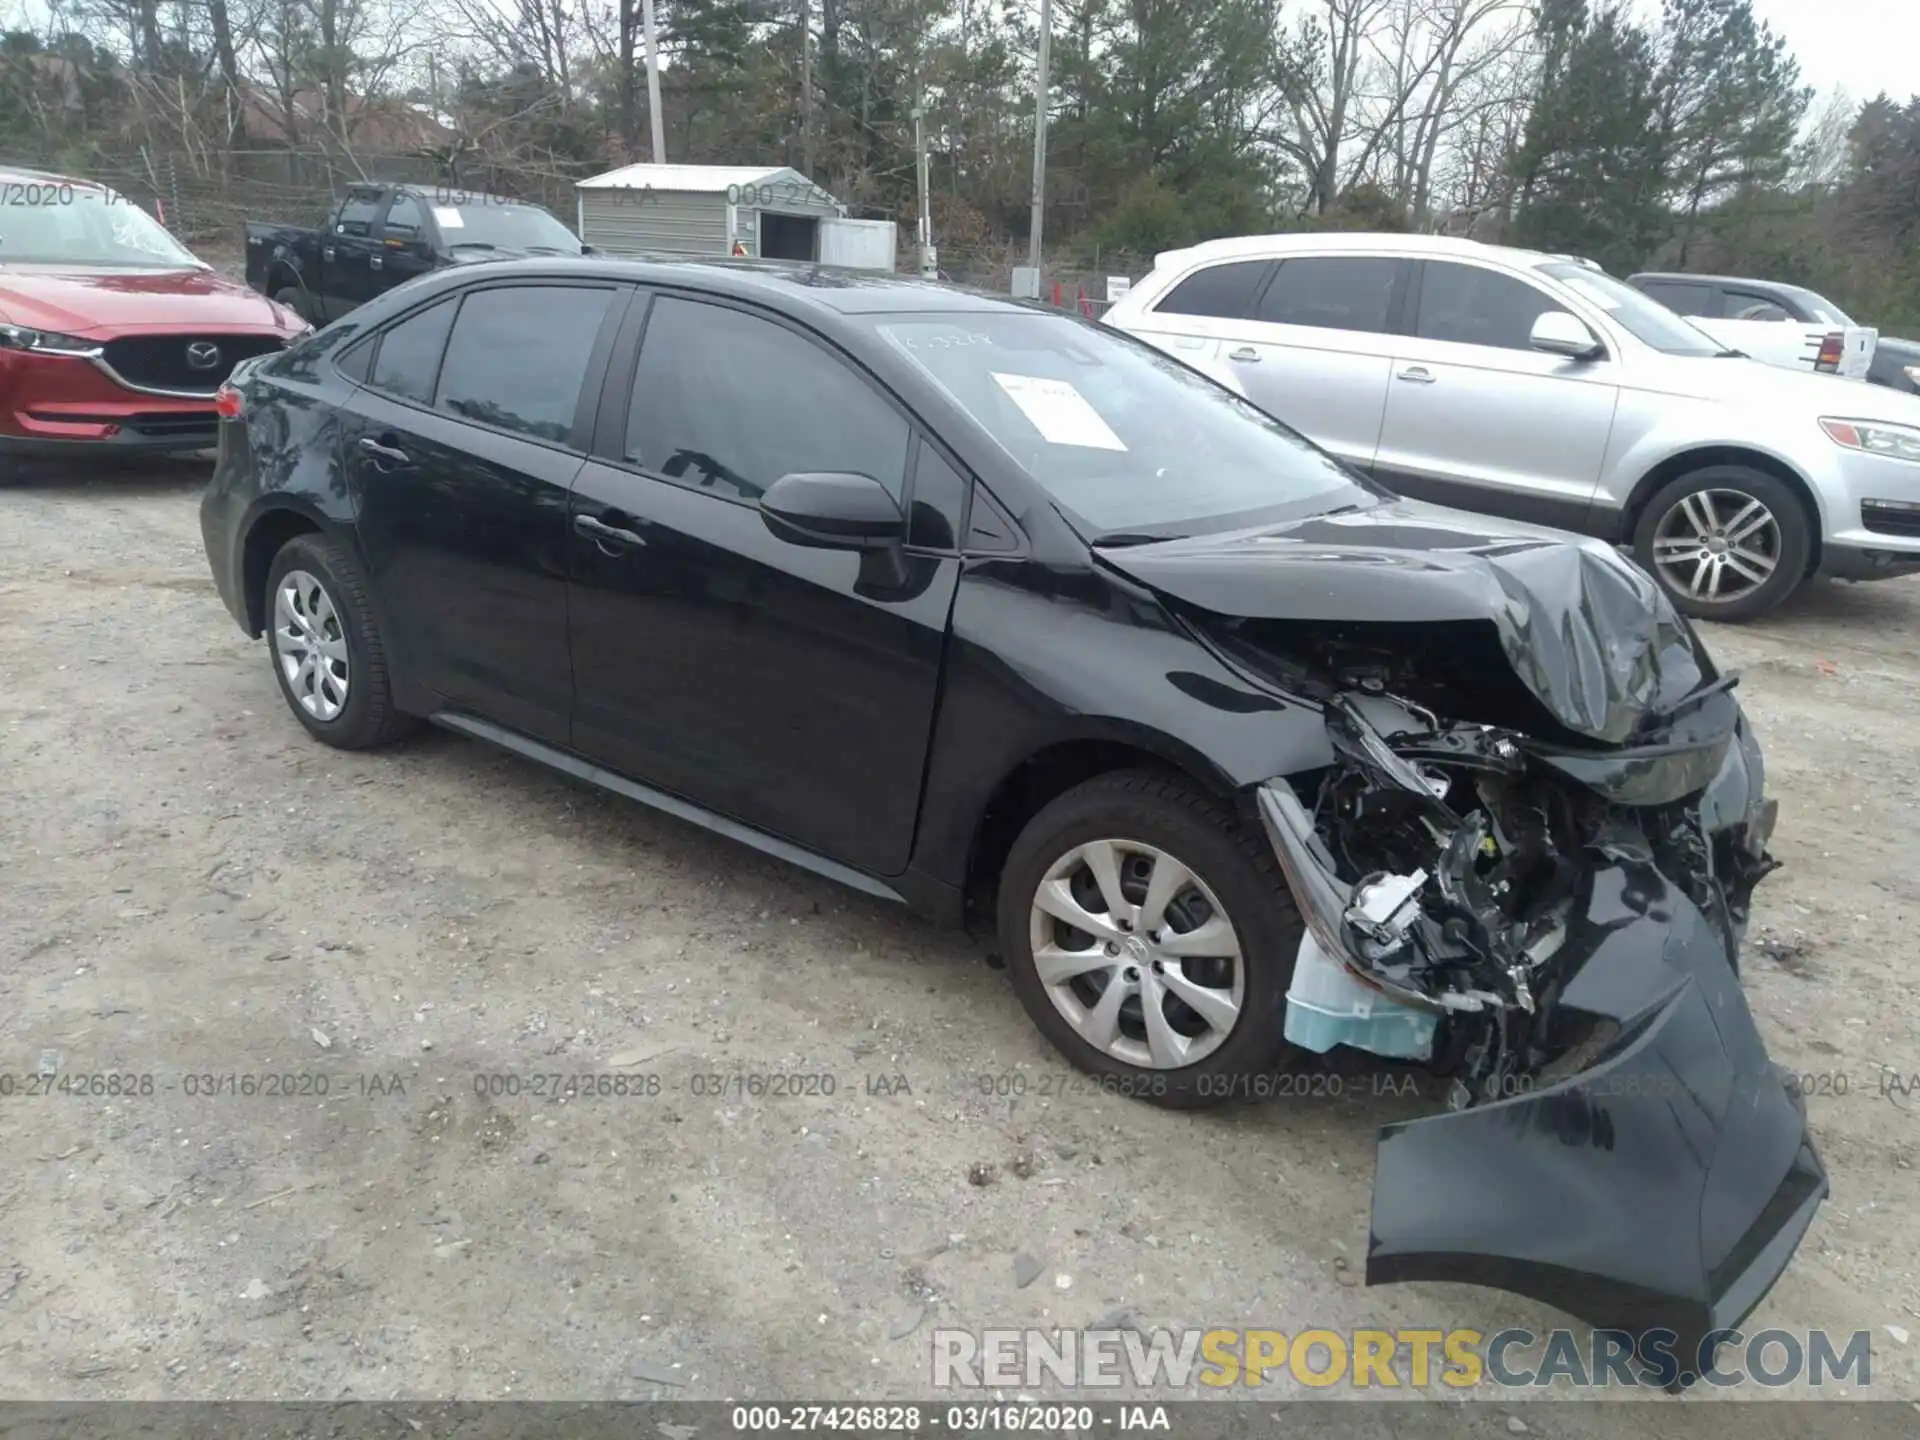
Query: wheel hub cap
point(310, 646)
point(1136, 952)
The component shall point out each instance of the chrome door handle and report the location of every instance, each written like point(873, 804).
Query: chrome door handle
point(610, 538)
point(1246, 355)
point(326, 252)
point(380, 451)
point(376, 262)
point(1418, 374)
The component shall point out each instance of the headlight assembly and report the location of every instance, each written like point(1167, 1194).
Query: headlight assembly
point(46, 342)
point(1875, 437)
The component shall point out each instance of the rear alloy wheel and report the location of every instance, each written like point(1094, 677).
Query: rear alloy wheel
point(1726, 542)
point(310, 646)
point(1152, 938)
point(326, 648)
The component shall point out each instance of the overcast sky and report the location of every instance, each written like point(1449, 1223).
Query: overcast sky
point(1866, 45)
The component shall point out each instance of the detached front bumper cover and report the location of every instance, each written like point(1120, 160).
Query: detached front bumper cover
point(1663, 1186)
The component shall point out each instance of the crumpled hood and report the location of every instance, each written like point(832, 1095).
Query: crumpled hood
point(1585, 630)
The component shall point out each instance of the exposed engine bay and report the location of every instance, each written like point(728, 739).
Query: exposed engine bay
point(1442, 859)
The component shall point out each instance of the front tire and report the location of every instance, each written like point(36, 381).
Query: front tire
point(1151, 938)
point(325, 646)
point(1726, 542)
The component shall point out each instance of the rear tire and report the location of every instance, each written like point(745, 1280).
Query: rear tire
point(325, 646)
point(1726, 542)
point(293, 298)
point(1230, 930)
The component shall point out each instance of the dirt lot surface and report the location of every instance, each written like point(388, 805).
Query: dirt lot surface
point(189, 887)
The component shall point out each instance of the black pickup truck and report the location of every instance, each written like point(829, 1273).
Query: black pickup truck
point(378, 236)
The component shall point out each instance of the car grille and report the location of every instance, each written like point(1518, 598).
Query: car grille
point(1889, 519)
point(159, 362)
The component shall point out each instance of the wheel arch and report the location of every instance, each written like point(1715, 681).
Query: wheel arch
point(1701, 457)
point(1052, 769)
point(267, 530)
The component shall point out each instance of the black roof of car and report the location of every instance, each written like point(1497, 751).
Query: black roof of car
point(792, 283)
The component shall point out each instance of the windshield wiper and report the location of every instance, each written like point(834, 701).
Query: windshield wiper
point(1116, 539)
point(1732, 355)
point(470, 245)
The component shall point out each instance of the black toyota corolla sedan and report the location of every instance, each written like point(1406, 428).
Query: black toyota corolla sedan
point(979, 608)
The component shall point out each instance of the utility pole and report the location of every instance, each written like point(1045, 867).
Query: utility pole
point(806, 89)
point(653, 85)
point(1040, 143)
point(929, 263)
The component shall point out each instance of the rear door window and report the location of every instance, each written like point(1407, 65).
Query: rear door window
point(1333, 292)
point(518, 356)
point(1223, 292)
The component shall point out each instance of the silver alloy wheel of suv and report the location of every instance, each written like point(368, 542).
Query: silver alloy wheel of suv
point(1717, 546)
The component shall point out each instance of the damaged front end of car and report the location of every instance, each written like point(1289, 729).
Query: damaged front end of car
point(1529, 866)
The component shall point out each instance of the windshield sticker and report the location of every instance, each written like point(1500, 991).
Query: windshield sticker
point(1061, 414)
point(448, 218)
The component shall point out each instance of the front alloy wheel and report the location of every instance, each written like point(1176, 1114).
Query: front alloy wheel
point(1150, 936)
point(1717, 546)
point(1137, 954)
point(310, 645)
point(1726, 542)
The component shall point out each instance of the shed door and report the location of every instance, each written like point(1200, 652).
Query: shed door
point(788, 237)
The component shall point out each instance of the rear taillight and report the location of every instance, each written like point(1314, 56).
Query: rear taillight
point(227, 403)
point(1832, 346)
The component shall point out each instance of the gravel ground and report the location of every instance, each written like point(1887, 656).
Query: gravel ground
point(194, 888)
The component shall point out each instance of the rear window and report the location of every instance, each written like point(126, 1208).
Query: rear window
point(1333, 292)
point(1224, 292)
point(409, 357)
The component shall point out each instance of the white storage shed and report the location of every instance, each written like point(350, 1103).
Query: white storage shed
point(768, 212)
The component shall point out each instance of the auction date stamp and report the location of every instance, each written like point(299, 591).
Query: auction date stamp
point(201, 1085)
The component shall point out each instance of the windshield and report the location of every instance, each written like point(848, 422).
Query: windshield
point(1131, 443)
point(1645, 318)
point(81, 225)
point(501, 225)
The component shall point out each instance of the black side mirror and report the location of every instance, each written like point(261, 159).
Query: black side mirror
point(589, 250)
point(833, 511)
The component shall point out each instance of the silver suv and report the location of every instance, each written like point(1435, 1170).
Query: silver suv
point(1541, 388)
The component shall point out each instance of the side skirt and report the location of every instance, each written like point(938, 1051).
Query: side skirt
point(574, 766)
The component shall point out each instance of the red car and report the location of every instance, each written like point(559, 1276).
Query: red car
point(111, 332)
